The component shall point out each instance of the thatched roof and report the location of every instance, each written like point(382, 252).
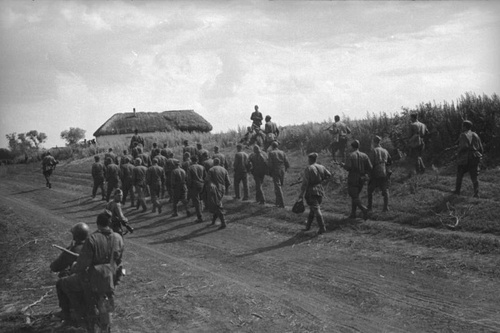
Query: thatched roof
point(144, 122)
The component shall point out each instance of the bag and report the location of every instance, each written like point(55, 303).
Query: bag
point(102, 278)
point(298, 207)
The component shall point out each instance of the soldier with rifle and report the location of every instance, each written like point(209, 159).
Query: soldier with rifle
point(48, 165)
point(117, 218)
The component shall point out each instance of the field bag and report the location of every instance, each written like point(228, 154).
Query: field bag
point(298, 207)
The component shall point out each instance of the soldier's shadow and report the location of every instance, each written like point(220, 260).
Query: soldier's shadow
point(205, 230)
point(298, 238)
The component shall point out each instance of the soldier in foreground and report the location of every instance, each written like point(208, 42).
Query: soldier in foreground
point(217, 183)
point(93, 278)
point(380, 159)
point(48, 166)
point(278, 166)
point(358, 164)
point(470, 151)
point(98, 177)
point(312, 190)
point(240, 172)
point(62, 265)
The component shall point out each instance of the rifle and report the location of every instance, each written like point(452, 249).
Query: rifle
point(65, 250)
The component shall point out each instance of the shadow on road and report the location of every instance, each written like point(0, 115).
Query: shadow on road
point(296, 239)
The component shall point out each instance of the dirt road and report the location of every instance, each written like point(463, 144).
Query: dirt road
point(261, 274)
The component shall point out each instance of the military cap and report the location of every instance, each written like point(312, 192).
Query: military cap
point(467, 122)
point(138, 160)
point(239, 145)
point(176, 161)
point(377, 138)
point(355, 144)
point(313, 155)
point(118, 191)
point(268, 117)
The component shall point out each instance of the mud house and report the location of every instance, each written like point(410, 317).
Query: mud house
point(121, 126)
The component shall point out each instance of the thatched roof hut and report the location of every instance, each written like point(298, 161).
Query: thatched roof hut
point(148, 122)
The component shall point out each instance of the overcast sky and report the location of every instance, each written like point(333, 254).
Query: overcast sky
point(76, 63)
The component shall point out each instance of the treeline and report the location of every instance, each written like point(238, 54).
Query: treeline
point(443, 121)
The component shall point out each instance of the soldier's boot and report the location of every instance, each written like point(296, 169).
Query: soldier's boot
point(144, 207)
point(386, 204)
point(321, 224)
point(309, 222)
point(223, 224)
point(365, 211)
point(214, 217)
point(476, 189)
point(370, 201)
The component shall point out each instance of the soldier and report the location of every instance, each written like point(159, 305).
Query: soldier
point(240, 172)
point(416, 144)
point(110, 154)
point(201, 151)
point(179, 188)
point(271, 132)
point(186, 161)
point(358, 164)
point(217, 183)
point(48, 165)
point(127, 178)
point(380, 159)
point(169, 167)
point(65, 261)
point(155, 177)
point(165, 151)
point(140, 184)
point(208, 162)
point(195, 177)
point(248, 136)
point(146, 159)
point(118, 219)
point(278, 166)
point(257, 164)
point(221, 157)
point(258, 138)
point(135, 150)
point(190, 149)
point(470, 151)
point(112, 174)
point(256, 117)
point(312, 190)
point(125, 154)
point(93, 271)
point(98, 177)
point(155, 151)
point(136, 138)
point(339, 131)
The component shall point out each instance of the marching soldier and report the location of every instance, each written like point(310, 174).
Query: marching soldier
point(140, 184)
point(358, 164)
point(258, 166)
point(112, 173)
point(98, 177)
point(127, 177)
point(470, 151)
point(416, 144)
point(217, 183)
point(380, 159)
point(339, 131)
point(179, 188)
point(155, 177)
point(48, 165)
point(278, 166)
point(312, 190)
point(240, 172)
point(195, 178)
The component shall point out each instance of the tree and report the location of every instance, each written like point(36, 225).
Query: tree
point(73, 135)
point(36, 138)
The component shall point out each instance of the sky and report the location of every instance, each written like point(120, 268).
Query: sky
point(76, 63)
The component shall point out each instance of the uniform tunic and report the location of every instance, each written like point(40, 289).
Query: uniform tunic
point(257, 164)
point(278, 165)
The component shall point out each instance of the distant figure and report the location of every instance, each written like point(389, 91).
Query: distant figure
point(146, 159)
point(217, 183)
point(258, 138)
point(416, 144)
point(271, 132)
point(136, 138)
point(125, 154)
point(135, 150)
point(221, 157)
point(110, 154)
point(48, 165)
point(195, 178)
point(186, 161)
point(248, 136)
point(470, 151)
point(379, 177)
point(358, 164)
point(112, 175)
point(98, 177)
point(165, 150)
point(190, 149)
point(201, 152)
point(169, 167)
point(127, 178)
point(155, 151)
point(140, 184)
point(312, 190)
point(339, 131)
point(179, 188)
point(278, 166)
point(208, 162)
point(240, 172)
point(258, 166)
point(256, 117)
point(155, 177)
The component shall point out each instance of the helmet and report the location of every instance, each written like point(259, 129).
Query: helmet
point(80, 231)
